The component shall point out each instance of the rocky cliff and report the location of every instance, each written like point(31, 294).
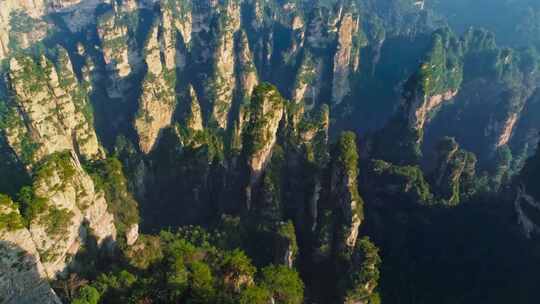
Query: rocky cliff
point(49, 110)
point(48, 123)
point(158, 99)
point(23, 277)
point(67, 210)
point(266, 112)
point(344, 190)
point(455, 175)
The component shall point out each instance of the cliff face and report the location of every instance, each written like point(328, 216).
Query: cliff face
point(194, 119)
point(158, 100)
point(343, 59)
point(20, 25)
point(455, 174)
point(344, 189)
point(437, 81)
point(24, 23)
point(266, 112)
point(50, 110)
point(492, 97)
point(247, 71)
point(222, 81)
point(70, 211)
point(48, 123)
point(527, 201)
point(113, 31)
point(23, 277)
point(308, 82)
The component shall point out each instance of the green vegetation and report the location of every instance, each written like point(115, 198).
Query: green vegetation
point(10, 219)
point(57, 221)
point(31, 205)
point(284, 284)
point(192, 270)
point(364, 276)
point(60, 163)
point(454, 179)
point(442, 70)
point(108, 176)
point(87, 295)
point(34, 74)
point(36, 208)
point(402, 179)
point(211, 140)
point(20, 22)
point(266, 104)
point(287, 234)
point(346, 158)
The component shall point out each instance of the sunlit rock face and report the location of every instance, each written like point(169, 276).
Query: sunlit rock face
point(158, 99)
point(23, 278)
point(267, 109)
point(55, 107)
point(78, 209)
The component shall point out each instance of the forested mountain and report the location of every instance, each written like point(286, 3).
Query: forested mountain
point(269, 151)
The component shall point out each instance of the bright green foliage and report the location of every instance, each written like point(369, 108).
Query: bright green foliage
point(365, 276)
point(10, 219)
point(57, 221)
point(87, 295)
point(201, 283)
point(186, 272)
point(442, 70)
point(34, 207)
point(454, 177)
point(286, 233)
point(236, 264)
point(284, 284)
point(60, 163)
point(146, 252)
point(346, 155)
point(108, 176)
point(207, 139)
point(254, 295)
point(31, 204)
point(407, 180)
point(266, 104)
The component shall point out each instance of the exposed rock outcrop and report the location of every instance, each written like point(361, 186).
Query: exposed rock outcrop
point(194, 119)
point(455, 174)
point(119, 58)
point(507, 130)
point(158, 99)
point(308, 82)
point(50, 110)
point(429, 106)
point(23, 278)
point(343, 58)
point(71, 210)
point(222, 83)
point(344, 190)
point(248, 76)
point(21, 24)
point(267, 109)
